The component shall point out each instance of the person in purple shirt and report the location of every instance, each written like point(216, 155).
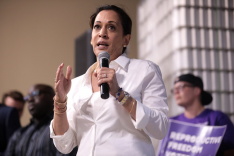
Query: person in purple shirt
point(188, 92)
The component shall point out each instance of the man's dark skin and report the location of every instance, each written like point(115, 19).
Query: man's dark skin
point(41, 105)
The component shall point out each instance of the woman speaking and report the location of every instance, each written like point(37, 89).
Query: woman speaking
point(136, 109)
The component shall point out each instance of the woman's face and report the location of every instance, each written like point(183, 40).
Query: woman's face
point(107, 34)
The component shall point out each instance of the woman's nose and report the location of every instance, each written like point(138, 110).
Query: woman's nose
point(103, 33)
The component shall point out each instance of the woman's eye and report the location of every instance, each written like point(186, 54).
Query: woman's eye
point(111, 27)
point(96, 26)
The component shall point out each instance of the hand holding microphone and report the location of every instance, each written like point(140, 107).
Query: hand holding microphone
point(104, 58)
point(106, 77)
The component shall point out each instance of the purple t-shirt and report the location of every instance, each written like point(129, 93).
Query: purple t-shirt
point(214, 118)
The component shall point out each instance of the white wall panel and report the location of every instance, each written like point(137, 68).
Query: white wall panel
point(232, 40)
point(223, 58)
point(225, 103)
point(222, 39)
point(230, 60)
point(191, 36)
point(209, 17)
point(224, 79)
point(214, 54)
point(207, 80)
point(228, 35)
point(232, 106)
point(197, 58)
point(231, 81)
point(215, 78)
point(216, 101)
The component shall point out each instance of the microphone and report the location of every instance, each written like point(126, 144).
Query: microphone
point(104, 58)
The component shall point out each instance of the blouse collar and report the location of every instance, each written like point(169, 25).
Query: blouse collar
point(121, 61)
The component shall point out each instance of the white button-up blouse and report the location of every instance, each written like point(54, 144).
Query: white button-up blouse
point(103, 127)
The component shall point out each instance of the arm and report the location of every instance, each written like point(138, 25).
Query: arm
point(62, 86)
point(62, 134)
point(151, 112)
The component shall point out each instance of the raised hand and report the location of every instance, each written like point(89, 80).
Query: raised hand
point(62, 84)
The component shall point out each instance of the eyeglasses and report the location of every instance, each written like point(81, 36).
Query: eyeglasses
point(180, 88)
point(33, 94)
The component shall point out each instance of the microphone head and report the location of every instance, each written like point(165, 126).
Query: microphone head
point(105, 55)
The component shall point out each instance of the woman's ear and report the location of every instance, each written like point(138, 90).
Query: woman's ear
point(91, 42)
point(127, 39)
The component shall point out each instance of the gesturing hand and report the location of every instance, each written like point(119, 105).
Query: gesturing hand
point(62, 84)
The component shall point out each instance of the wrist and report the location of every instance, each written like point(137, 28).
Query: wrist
point(121, 96)
point(125, 98)
point(60, 100)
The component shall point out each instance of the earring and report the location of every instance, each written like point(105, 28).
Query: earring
point(125, 46)
point(91, 43)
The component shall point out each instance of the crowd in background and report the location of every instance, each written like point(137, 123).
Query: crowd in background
point(33, 139)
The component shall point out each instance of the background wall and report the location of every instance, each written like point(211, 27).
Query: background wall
point(37, 36)
point(190, 36)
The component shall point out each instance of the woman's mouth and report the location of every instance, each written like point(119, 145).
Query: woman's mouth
point(102, 45)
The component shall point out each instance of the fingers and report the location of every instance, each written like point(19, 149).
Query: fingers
point(69, 72)
point(59, 96)
point(62, 84)
point(100, 76)
point(58, 79)
point(59, 72)
point(95, 73)
point(105, 75)
point(56, 87)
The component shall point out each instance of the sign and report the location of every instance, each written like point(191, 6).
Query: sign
point(186, 139)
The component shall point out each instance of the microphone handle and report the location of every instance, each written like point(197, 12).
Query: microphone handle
point(104, 88)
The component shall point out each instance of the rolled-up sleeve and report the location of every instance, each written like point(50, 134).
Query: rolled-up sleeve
point(64, 143)
point(152, 110)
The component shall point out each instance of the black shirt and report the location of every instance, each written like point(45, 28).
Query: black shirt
point(34, 140)
point(9, 123)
